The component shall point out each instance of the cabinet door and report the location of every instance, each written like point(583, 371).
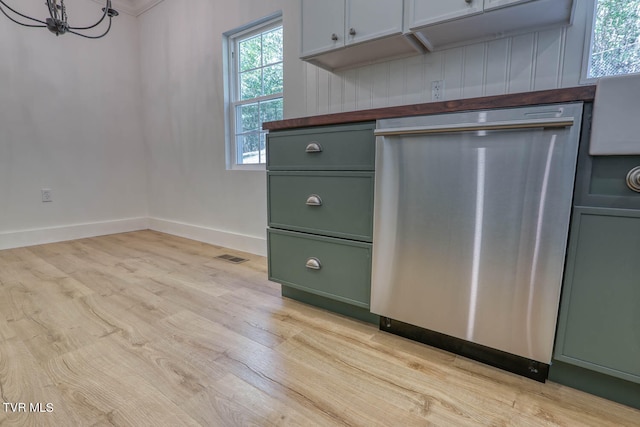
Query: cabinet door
point(322, 26)
point(599, 325)
point(494, 4)
point(372, 19)
point(427, 12)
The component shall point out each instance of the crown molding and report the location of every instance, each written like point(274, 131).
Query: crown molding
point(131, 7)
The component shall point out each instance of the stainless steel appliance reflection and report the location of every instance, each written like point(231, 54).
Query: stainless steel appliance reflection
point(471, 221)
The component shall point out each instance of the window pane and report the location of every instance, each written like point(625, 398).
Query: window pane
point(251, 84)
point(272, 46)
point(249, 147)
point(273, 79)
point(248, 118)
point(271, 110)
point(616, 38)
point(250, 52)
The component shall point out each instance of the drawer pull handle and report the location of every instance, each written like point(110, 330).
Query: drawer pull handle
point(314, 200)
point(313, 264)
point(313, 147)
point(633, 179)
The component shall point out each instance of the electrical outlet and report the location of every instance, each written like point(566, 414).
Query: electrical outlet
point(437, 90)
point(47, 195)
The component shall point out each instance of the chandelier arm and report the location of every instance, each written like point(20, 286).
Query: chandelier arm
point(104, 15)
point(92, 37)
point(20, 14)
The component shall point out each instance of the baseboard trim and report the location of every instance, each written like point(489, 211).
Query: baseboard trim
point(240, 242)
point(39, 236)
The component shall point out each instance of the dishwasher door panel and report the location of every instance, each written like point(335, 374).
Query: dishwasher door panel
point(470, 232)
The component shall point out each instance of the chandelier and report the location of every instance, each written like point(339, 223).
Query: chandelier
point(57, 20)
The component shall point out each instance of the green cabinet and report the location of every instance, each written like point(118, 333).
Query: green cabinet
point(597, 347)
point(599, 324)
point(333, 268)
point(320, 186)
point(344, 147)
point(338, 204)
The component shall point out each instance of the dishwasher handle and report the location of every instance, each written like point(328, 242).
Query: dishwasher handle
point(561, 122)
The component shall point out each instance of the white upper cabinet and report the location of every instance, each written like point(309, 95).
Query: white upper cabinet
point(372, 19)
point(494, 4)
point(323, 26)
point(338, 34)
point(346, 33)
point(441, 24)
point(425, 12)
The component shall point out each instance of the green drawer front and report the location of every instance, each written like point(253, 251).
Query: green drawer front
point(345, 266)
point(346, 199)
point(346, 147)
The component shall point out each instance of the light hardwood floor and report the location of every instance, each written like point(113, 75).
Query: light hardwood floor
point(147, 329)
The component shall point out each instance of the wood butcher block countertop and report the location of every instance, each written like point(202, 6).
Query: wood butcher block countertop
point(552, 96)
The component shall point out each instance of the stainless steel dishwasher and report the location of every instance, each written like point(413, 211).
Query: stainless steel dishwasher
point(470, 230)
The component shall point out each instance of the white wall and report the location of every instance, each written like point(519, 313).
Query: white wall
point(190, 191)
point(70, 115)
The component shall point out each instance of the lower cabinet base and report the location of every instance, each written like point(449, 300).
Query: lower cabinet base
point(509, 362)
point(331, 305)
point(618, 390)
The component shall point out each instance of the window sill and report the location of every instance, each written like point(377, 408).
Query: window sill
point(250, 167)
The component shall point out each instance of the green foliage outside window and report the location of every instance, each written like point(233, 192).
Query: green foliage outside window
point(260, 75)
point(616, 38)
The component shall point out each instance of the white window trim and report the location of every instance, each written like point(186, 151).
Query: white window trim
point(231, 86)
point(588, 42)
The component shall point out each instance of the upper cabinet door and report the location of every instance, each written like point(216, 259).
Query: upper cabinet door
point(426, 12)
point(323, 26)
point(494, 4)
point(372, 19)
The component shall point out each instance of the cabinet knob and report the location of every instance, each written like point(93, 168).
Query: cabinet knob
point(313, 264)
point(334, 37)
point(633, 179)
point(313, 147)
point(469, 1)
point(352, 32)
point(314, 200)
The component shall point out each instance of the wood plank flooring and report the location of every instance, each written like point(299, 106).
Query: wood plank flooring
point(147, 329)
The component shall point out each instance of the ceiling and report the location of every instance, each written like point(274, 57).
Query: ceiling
point(131, 7)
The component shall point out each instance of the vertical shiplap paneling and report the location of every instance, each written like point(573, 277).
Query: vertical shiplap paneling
point(336, 90)
point(548, 59)
point(414, 78)
point(473, 70)
point(397, 82)
point(312, 88)
point(521, 63)
point(496, 67)
point(532, 61)
point(380, 85)
point(350, 79)
point(364, 88)
point(454, 71)
point(323, 91)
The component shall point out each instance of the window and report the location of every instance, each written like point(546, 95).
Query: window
point(615, 38)
point(255, 80)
